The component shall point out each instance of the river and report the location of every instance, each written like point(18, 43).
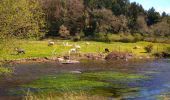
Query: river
point(157, 82)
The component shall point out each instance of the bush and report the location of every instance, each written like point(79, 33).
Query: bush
point(149, 48)
point(138, 37)
point(64, 32)
point(102, 37)
point(157, 39)
point(163, 54)
point(76, 38)
point(114, 37)
point(126, 38)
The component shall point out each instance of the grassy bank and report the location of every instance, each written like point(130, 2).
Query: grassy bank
point(41, 48)
point(5, 71)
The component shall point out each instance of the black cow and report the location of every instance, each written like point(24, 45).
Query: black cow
point(107, 50)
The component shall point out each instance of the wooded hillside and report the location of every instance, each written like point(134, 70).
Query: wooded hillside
point(81, 18)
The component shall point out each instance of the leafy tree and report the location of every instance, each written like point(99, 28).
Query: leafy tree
point(153, 16)
point(164, 14)
point(23, 18)
point(64, 32)
point(98, 4)
point(73, 17)
point(120, 7)
point(161, 28)
point(102, 18)
point(135, 10)
point(54, 14)
point(141, 25)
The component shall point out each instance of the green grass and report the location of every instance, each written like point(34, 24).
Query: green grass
point(112, 76)
point(5, 71)
point(96, 83)
point(65, 82)
point(67, 86)
point(41, 48)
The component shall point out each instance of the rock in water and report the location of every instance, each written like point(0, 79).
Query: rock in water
point(75, 72)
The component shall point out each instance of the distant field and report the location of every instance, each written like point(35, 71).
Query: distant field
point(41, 48)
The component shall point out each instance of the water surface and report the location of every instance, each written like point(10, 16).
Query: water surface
point(157, 79)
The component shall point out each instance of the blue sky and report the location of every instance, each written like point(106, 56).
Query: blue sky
point(159, 5)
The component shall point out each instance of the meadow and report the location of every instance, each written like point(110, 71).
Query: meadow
point(41, 49)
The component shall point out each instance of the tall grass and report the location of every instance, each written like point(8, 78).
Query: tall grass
point(64, 96)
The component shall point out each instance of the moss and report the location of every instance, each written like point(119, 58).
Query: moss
point(98, 83)
point(66, 82)
point(112, 76)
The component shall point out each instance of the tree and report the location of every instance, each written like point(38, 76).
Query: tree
point(73, 16)
point(162, 28)
point(64, 32)
point(64, 12)
point(119, 24)
point(102, 19)
point(141, 25)
point(98, 4)
point(164, 14)
point(135, 10)
point(54, 14)
point(23, 18)
point(153, 16)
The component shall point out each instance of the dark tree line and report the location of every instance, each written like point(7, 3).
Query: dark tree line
point(106, 16)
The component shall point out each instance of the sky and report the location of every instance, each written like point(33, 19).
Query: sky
point(159, 5)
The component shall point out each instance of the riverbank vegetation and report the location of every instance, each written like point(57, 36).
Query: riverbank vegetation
point(65, 96)
point(83, 86)
point(5, 71)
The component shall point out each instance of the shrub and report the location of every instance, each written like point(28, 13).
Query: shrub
point(114, 37)
point(138, 37)
point(64, 32)
point(157, 39)
point(163, 54)
point(149, 48)
point(126, 38)
point(101, 37)
point(76, 38)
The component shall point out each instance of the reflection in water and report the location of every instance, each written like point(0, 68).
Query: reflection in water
point(142, 89)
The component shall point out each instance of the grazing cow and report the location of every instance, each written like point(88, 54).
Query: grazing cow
point(50, 43)
point(137, 47)
point(87, 43)
point(67, 44)
point(73, 50)
point(20, 51)
point(107, 50)
point(77, 47)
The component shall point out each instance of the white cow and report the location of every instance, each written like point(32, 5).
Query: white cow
point(77, 46)
point(66, 44)
point(72, 51)
point(50, 43)
point(87, 43)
